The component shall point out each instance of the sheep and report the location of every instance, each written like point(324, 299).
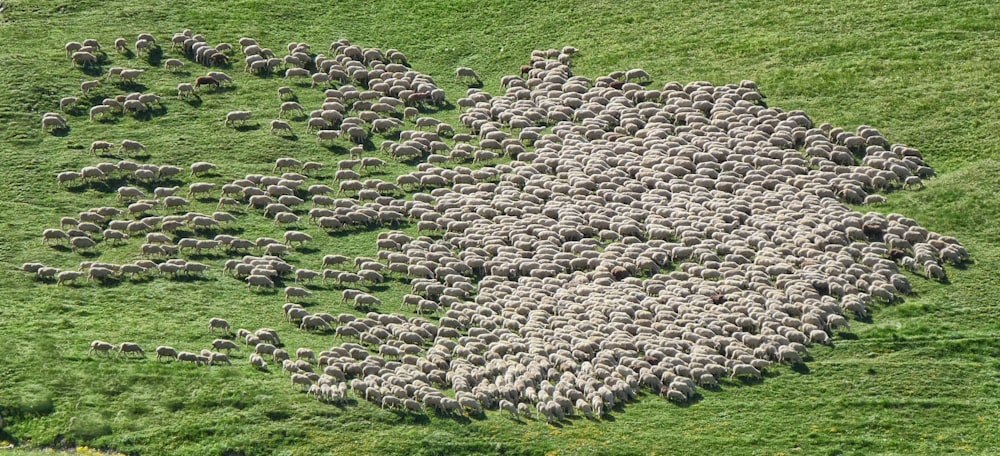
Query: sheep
point(637, 75)
point(198, 168)
point(286, 163)
point(99, 346)
point(172, 64)
point(189, 357)
point(289, 106)
point(200, 188)
point(259, 281)
point(297, 236)
point(100, 145)
point(281, 126)
point(129, 75)
point(296, 292)
point(463, 73)
point(237, 116)
point(83, 59)
point(53, 234)
point(184, 90)
point(257, 362)
point(224, 344)
point(164, 351)
point(128, 349)
point(301, 380)
point(52, 123)
point(65, 277)
point(129, 146)
point(81, 243)
point(218, 323)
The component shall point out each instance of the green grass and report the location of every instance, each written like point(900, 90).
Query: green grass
point(921, 378)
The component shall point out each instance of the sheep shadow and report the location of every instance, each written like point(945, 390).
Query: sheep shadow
point(801, 369)
point(224, 89)
point(93, 70)
point(292, 137)
point(306, 250)
point(133, 86)
point(61, 132)
point(247, 127)
point(154, 55)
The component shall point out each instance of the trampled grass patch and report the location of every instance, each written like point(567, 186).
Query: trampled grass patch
point(919, 377)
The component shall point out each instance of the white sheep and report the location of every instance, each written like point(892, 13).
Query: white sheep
point(237, 116)
point(184, 89)
point(281, 126)
point(64, 277)
point(172, 64)
point(259, 281)
point(224, 344)
point(218, 323)
point(164, 351)
point(198, 168)
point(130, 146)
point(129, 349)
point(100, 346)
point(297, 236)
point(289, 106)
point(463, 73)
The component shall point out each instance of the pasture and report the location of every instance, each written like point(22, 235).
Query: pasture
point(915, 376)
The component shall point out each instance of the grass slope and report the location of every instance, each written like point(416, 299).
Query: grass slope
point(920, 378)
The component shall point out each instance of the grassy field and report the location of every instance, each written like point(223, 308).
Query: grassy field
point(922, 377)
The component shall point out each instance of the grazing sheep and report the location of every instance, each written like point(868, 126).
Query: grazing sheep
point(224, 344)
point(189, 357)
point(128, 349)
point(164, 351)
point(100, 145)
point(281, 126)
point(218, 323)
point(257, 362)
point(289, 106)
point(184, 89)
point(259, 281)
point(99, 346)
point(463, 73)
point(172, 64)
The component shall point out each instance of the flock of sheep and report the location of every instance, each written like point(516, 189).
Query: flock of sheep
point(640, 240)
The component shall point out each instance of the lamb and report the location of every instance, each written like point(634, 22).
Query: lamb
point(218, 323)
point(237, 116)
point(164, 351)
